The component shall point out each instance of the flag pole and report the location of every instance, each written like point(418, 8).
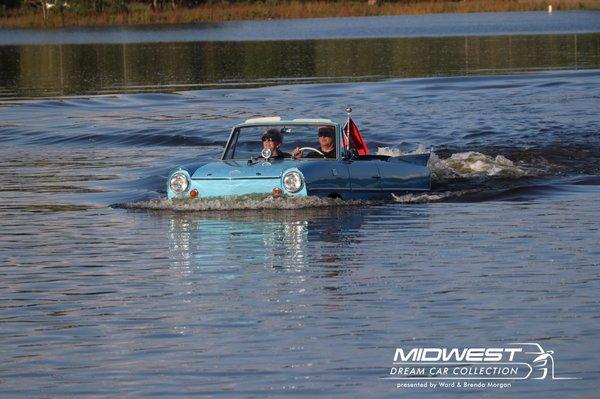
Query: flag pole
point(347, 132)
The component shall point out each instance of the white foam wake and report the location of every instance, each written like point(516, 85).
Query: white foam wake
point(465, 164)
point(475, 164)
point(430, 196)
point(396, 152)
point(248, 202)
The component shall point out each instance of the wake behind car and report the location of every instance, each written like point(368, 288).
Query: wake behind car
point(301, 157)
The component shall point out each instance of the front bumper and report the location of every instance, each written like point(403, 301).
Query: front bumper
point(227, 187)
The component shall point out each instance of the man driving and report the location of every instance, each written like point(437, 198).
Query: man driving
point(326, 144)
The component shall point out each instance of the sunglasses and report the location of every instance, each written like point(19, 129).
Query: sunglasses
point(326, 135)
point(269, 139)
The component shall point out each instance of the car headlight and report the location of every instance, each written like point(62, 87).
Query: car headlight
point(179, 183)
point(292, 181)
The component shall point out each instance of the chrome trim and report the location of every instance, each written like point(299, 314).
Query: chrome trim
point(228, 143)
point(236, 178)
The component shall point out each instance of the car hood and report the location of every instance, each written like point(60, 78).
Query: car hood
point(243, 170)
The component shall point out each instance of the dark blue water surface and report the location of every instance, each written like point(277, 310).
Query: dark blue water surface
point(108, 291)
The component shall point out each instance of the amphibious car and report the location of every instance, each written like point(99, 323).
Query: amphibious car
point(247, 167)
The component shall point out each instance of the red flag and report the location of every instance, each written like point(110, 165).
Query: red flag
point(354, 138)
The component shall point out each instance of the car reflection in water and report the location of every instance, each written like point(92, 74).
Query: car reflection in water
point(282, 240)
point(231, 270)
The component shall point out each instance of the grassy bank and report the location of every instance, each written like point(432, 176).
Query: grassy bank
point(141, 14)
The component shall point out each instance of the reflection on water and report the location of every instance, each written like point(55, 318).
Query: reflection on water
point(277, 240)
point(30, 71)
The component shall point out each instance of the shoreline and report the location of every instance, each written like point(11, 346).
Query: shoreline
point(140, 15)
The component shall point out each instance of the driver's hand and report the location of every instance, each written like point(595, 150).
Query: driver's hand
point(297, 152)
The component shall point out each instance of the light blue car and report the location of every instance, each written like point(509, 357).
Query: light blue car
point(247, 168)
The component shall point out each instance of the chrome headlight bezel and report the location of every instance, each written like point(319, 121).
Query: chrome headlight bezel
point(293, 182)
point(179, 182)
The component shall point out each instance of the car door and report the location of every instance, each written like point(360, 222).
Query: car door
point(364, 176)
point(325, 177)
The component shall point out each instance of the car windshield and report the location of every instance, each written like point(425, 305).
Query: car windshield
point(247, 141)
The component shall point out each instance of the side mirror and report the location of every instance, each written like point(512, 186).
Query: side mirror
point(266, 153)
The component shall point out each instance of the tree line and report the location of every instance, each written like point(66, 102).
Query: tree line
point(99, 6)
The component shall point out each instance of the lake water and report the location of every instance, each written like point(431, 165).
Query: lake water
point(107, 291)
point(83, 69)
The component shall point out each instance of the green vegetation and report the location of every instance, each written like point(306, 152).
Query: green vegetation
point(57, 13)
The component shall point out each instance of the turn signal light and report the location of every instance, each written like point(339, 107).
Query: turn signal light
point(277, 192)
point(194, 193)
